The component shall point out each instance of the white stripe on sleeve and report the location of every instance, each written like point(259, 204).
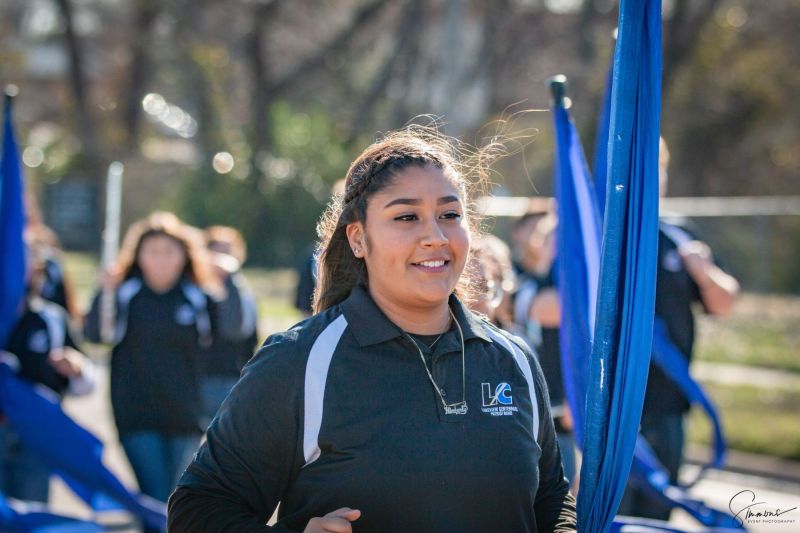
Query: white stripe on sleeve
point(319, 361)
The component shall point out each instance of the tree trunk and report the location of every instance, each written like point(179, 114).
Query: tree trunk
point(146, 12)
point(77, 78)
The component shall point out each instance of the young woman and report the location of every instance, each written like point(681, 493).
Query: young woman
point(163, 318)
point(394, 408)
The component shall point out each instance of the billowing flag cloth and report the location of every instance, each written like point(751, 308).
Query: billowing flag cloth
point(667, 356)
point(648, 475)
point(24, 519)
point(578, 243)
point(578, 239)
point(626, 297)
point(601, 144)
point(68, 449)
point(12, 224)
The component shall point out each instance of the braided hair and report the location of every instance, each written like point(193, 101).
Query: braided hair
point(375, 169)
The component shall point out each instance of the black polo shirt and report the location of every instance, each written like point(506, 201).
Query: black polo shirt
point(339, 412)
point(41, 328)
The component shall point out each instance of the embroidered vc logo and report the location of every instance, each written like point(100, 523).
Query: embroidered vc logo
point(500, 395)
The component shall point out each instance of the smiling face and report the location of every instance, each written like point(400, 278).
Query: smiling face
point(415, 241)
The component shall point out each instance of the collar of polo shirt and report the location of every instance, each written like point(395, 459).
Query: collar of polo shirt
point(373, 327)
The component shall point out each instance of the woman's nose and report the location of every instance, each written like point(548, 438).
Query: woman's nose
point(434, 235)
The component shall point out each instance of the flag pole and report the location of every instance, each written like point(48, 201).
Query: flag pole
point(11, 91)
point(558, 88)
point(110, 246)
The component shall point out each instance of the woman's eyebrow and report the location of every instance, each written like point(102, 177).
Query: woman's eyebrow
point(416, 201)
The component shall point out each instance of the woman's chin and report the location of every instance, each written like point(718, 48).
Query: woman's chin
point(434, 295)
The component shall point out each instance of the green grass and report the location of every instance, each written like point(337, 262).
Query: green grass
point(81, 272)
point(763, 331)
point(755, 420)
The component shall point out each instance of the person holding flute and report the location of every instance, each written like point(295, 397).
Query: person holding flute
point(167, 308)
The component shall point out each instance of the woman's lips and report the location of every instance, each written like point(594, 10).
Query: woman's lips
point(432, 265)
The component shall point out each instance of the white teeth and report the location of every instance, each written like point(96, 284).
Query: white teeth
point(432, 264)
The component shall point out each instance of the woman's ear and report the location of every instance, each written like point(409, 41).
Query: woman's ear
point(355, 236)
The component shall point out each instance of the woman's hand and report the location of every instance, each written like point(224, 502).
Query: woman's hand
point(67, 361)
point(337, 521)
point(110, 277)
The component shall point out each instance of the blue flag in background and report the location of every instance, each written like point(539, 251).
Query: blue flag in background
point(71, 451)
point(35, 520)
point(626, 298)
point(578, 243)
point(12, 224)
point(600, 169)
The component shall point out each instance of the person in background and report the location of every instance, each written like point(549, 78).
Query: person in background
point(521, 230)
point(54, 286)
point(686, 274)
point(43, 351)
point(308, 269)
point(490, 264)
point(224, 359)
point(168, 307)
point(537, 312)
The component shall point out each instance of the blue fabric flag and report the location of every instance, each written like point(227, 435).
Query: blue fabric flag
point(601, 145)
point(17, 520)
point(648, 475)
point(12, 224)
point(667, 356)
point(579, 240)
point(75, 454)
point(578, 252)
point(626, 299)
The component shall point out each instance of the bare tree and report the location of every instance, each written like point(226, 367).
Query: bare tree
point(261, 132)
point(682, 32)
point(77, 78)
point(407, 31)
point(140, 69)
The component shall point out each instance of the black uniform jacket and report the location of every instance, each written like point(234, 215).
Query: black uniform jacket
point(44, 326)
point(156, 359)
point(339, 412)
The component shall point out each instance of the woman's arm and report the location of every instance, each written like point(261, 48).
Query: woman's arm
point(73, 364)
point(554, 506)
point(546, 308)
point(234, 317)
point(91, 322)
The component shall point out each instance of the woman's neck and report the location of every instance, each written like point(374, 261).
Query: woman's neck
point(422, 320)
point(160, 287)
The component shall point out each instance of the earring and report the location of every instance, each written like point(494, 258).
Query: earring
point(356, 251)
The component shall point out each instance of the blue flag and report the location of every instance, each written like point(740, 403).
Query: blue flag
point(75, 454)
point(578, 240)
point(601, 144)
point(35, 520)
point(626, 298)
point(12, 224)
point(578, 252)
